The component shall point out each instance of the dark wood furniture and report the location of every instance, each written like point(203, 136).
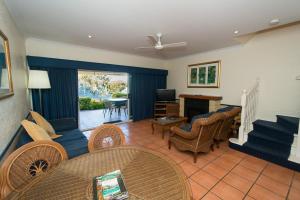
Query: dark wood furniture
point(147, 175)
point(192, 96)
point(165, 123)
point(166, 109)
point(200, 138)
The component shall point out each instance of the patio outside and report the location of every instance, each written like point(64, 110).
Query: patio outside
point(103, 98)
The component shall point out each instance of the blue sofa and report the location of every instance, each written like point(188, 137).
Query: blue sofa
point(72, 139)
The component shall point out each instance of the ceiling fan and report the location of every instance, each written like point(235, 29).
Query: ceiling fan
point(157, 44)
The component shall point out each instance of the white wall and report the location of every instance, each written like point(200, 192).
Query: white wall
point(52, 49)
point(272, 56)
point(15, 108)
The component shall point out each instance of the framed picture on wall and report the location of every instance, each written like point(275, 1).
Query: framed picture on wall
point(204, 75)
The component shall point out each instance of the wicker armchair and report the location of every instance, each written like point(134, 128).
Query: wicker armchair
point(226, 126)
point(200, 139)
point(106, 135)
point(28, 162)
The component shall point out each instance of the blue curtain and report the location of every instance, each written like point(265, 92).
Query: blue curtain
point(142, 94)
point(61, 101)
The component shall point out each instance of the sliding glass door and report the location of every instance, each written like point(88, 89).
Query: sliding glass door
point(103, 98)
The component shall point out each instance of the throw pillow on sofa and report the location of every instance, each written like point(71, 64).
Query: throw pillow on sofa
point(41, 121)
point(35, 131)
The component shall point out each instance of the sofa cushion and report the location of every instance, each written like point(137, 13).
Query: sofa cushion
point(76, 147)
point(70, 136)
point(74, 142)
point(36, 132)
point(64, 124)
point(186, 127)
point(206, 115)
point(42, 122)
point(225, 109)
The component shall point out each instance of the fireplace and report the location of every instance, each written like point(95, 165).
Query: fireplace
point(194, 107)
point(191, 105)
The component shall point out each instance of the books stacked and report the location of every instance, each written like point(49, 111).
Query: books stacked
point(110, 186)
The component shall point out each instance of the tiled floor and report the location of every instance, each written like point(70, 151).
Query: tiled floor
point(223, 173)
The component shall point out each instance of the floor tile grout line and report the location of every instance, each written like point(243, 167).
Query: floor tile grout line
point(209, 162)
point(279, 181)
point(225, 182)
point(291, 184)
point(260, 173)
point(255, 182)
point(222, 179)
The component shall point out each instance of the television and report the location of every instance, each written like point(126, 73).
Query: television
point(165, 95)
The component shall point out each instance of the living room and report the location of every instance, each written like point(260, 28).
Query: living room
point(253, 45)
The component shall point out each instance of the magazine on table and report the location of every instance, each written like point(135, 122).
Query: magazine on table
point(110, 186)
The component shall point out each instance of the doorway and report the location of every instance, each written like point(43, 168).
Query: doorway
point(103, 98)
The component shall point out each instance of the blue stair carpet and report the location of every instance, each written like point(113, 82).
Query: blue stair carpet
point(272, 141)
point(291, 123)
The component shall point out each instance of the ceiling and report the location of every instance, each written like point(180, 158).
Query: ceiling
point(121, 25)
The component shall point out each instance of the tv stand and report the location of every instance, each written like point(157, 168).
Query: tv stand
point(166, 109)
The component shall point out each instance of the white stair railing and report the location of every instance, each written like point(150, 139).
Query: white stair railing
point(298, 143)
point(249, 103)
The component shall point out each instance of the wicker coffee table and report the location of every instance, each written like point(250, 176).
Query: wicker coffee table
point(165, 123)
point(147, 174)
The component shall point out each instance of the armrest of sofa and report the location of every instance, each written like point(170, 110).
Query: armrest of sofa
point(64, 124)
point(178, 131)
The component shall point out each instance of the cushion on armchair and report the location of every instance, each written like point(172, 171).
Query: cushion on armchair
point(206, 115)
point(188, 127)
point(225, 109)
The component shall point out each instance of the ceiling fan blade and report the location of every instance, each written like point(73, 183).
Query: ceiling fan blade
point(152, 39)
point(178, 44)
point(137, 48)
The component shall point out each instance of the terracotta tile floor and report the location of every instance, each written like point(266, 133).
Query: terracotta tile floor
point(223, 173)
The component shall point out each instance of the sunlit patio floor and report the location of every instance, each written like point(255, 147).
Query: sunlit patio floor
point(89, 119)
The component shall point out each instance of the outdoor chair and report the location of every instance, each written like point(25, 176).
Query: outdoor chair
point(108, 108)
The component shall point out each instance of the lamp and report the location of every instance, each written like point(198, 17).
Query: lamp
point(39, 79)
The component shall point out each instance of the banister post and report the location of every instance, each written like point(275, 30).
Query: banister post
point(243, 116)
point(298, 143)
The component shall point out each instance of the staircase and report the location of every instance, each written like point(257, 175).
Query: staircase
point(272, 141)
point(277, 142)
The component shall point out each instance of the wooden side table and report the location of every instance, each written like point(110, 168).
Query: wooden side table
point(165, 123)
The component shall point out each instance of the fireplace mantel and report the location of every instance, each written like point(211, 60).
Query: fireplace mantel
point(195, 96)
point(208, 104)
